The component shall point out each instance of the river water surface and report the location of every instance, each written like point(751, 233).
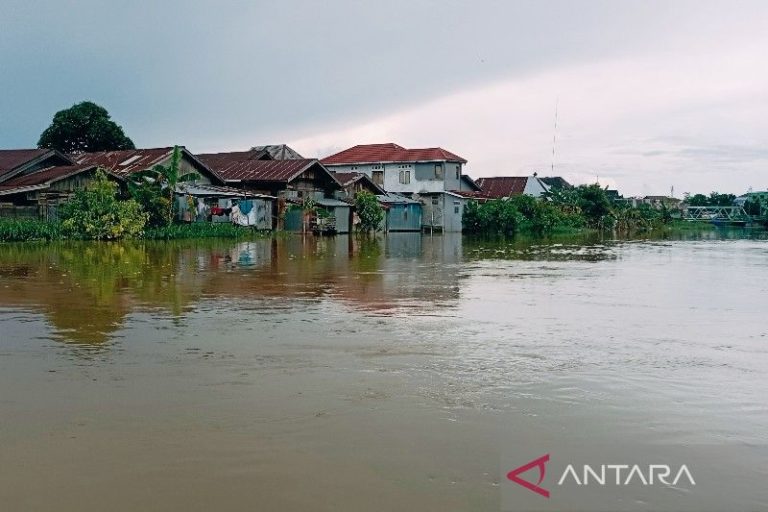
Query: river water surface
point(332, 374)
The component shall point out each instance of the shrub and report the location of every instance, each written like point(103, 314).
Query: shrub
point(95, 213)
point(369, 211)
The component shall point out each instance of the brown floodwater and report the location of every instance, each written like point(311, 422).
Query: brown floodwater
point(405, 373)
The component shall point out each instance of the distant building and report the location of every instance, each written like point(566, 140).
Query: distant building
point(556, 183)
point(662, 201)
point(278, 152)
point(509, 186)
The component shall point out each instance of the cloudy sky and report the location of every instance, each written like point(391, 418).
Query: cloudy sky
point(650, 95)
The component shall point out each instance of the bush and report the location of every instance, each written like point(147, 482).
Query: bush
point(96, 213)
point(369, 211)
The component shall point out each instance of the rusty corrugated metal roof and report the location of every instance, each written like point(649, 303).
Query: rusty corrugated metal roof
point(125, 162)
point(503, 186)
point(235, 167)
point(12, 158)
point(375, 153)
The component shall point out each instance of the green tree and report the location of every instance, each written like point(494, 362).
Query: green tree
point(96, 213)
point(84, 127)
point(369, 211)
point(154, 189)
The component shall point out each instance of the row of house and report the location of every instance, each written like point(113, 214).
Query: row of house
point(269, 186)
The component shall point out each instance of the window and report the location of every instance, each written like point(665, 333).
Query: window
point(458, 172)
point(405, 177)
point(456, 206)
point(438, 171)
point(378, 177)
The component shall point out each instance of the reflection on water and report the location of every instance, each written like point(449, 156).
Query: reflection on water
point(87, 289)
point(379, 373)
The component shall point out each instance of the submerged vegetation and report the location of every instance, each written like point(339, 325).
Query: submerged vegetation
point(369, 211)
point(27, 230)
point(202, 230)
point(585, 206)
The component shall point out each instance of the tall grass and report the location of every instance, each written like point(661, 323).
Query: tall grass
point(25, 230)
point(202, 230)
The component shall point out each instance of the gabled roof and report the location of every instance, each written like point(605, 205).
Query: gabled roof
point(41, 179)
point(472, 194)
point(14, 161)
point(348, 178)
point(504, 186)
point(556, 182)
point(386, 153)
point(237, 167)
point(125, 162)
point(12, 158)
point(279, 151)
point(469, 181)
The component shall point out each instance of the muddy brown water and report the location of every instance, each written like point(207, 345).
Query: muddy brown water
point(334, 374)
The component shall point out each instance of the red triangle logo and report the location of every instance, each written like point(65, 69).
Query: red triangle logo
point(541, 464)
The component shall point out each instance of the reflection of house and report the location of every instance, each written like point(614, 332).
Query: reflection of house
point(509, 186)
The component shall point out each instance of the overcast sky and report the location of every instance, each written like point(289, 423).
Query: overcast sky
point(650, 95)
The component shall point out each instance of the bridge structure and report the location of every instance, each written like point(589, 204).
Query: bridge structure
point(735, 214)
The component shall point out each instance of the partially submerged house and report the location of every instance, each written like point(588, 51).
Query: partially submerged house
point(35, 182)
point(401, 170)
point(400, 213)
point(294, 182)
point(502, 187)
point(433, 176)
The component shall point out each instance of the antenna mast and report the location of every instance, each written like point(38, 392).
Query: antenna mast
point(554, 138)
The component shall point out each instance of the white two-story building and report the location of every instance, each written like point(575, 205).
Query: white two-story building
point(432, 175)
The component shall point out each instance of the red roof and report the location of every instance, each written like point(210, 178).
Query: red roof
point(503, 186)
point(123, 163)
point(240, 166)
point(12, 158)
point(375, 153)
point(473, 194)
point(42, 178)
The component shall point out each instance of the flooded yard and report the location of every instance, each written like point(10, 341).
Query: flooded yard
point(302, 374)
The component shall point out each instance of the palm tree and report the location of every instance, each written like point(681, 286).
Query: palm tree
point(155, 188)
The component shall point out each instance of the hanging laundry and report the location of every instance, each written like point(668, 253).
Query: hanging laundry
point(245, 206)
